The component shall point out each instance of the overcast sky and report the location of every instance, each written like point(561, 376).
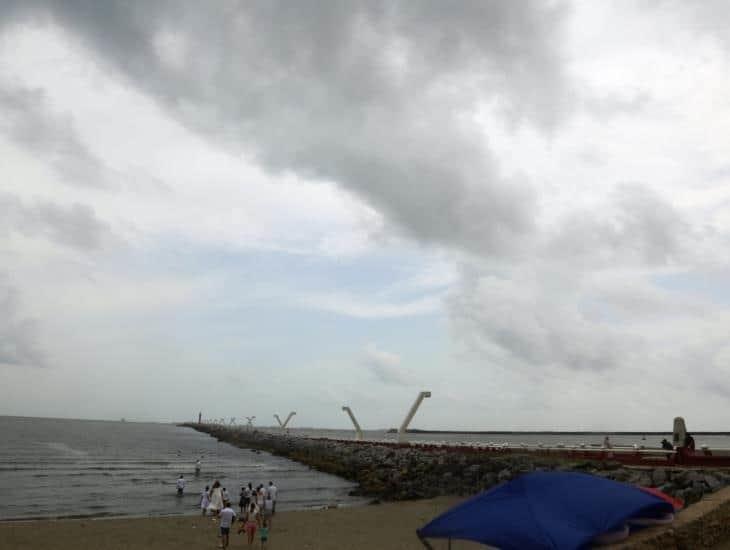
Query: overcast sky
point(247, 208)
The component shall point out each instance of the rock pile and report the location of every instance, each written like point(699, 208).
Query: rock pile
point(404, 473)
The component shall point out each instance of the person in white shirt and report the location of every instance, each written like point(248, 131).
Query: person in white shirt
point(268, 510)
point(225, 495)
point(180, 485)
point(227, 515)
point(260, 495)
point(272, 495)
point(204, 500)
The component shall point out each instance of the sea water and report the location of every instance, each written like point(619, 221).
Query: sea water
point(548, 439)
point(82, 468)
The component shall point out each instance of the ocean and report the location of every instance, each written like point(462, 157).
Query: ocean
point(548, 439)
point(53, 468)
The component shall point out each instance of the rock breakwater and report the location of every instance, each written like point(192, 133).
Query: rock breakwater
point(389, 472)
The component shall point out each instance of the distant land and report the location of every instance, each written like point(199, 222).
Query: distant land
point(543, 432)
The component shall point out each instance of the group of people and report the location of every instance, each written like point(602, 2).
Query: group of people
point(257, 508)
point(688, 445)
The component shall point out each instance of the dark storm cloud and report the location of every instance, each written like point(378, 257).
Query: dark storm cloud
point(375, 96)
point(76, 226)
point(19, 344)
point(26, 118)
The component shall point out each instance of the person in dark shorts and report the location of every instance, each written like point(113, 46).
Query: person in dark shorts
point(180, 485)
point(227, 516)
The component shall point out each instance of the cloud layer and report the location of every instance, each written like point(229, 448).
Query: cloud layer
point(521, 199)
point(19, 346)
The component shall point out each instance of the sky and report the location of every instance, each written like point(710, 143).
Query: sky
point(254, 207)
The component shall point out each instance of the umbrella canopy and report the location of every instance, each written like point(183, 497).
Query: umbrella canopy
point(677, 503)
point(543, 510)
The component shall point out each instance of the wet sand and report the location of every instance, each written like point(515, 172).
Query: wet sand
point(389, 526)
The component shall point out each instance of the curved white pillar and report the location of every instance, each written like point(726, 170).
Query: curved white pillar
point(282, 425)
point(358, 431)
point(288, 418)
point(404, 427)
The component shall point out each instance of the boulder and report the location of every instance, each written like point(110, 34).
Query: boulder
point(712, 482)
point(659, 477)
point(504, 475)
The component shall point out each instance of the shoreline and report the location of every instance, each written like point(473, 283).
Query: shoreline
point(193, 513)
point(388, 526)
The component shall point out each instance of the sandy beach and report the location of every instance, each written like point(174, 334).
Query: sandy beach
point(389, 526)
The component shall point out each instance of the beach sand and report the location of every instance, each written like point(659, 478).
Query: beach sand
point(389, 526)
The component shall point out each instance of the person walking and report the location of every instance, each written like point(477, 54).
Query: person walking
point(260, 496)
point(204, 500)
point(272, 492)
point(242, 500)
point(268, 510)
point(180, 485)
point(251, 522)
point(216, 498)
point(247, 492)
point(226, 515)
point(264, 533)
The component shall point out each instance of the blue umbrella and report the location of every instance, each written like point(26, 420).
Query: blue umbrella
point(546, 510)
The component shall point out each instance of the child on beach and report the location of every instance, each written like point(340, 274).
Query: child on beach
point(268, 510)
point(251, 523)
point(264, 535)
point(204, 500)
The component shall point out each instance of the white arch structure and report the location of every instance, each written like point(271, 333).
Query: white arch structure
point(283, 425)
point(404, 426)
point(358, 431)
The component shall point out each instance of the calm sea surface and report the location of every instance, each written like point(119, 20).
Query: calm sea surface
point(81, 468)
point(713, 441)
point(66, 468)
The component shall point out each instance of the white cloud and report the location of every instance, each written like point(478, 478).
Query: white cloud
point(384, 365)
point(551, 165)
point(365, 307)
